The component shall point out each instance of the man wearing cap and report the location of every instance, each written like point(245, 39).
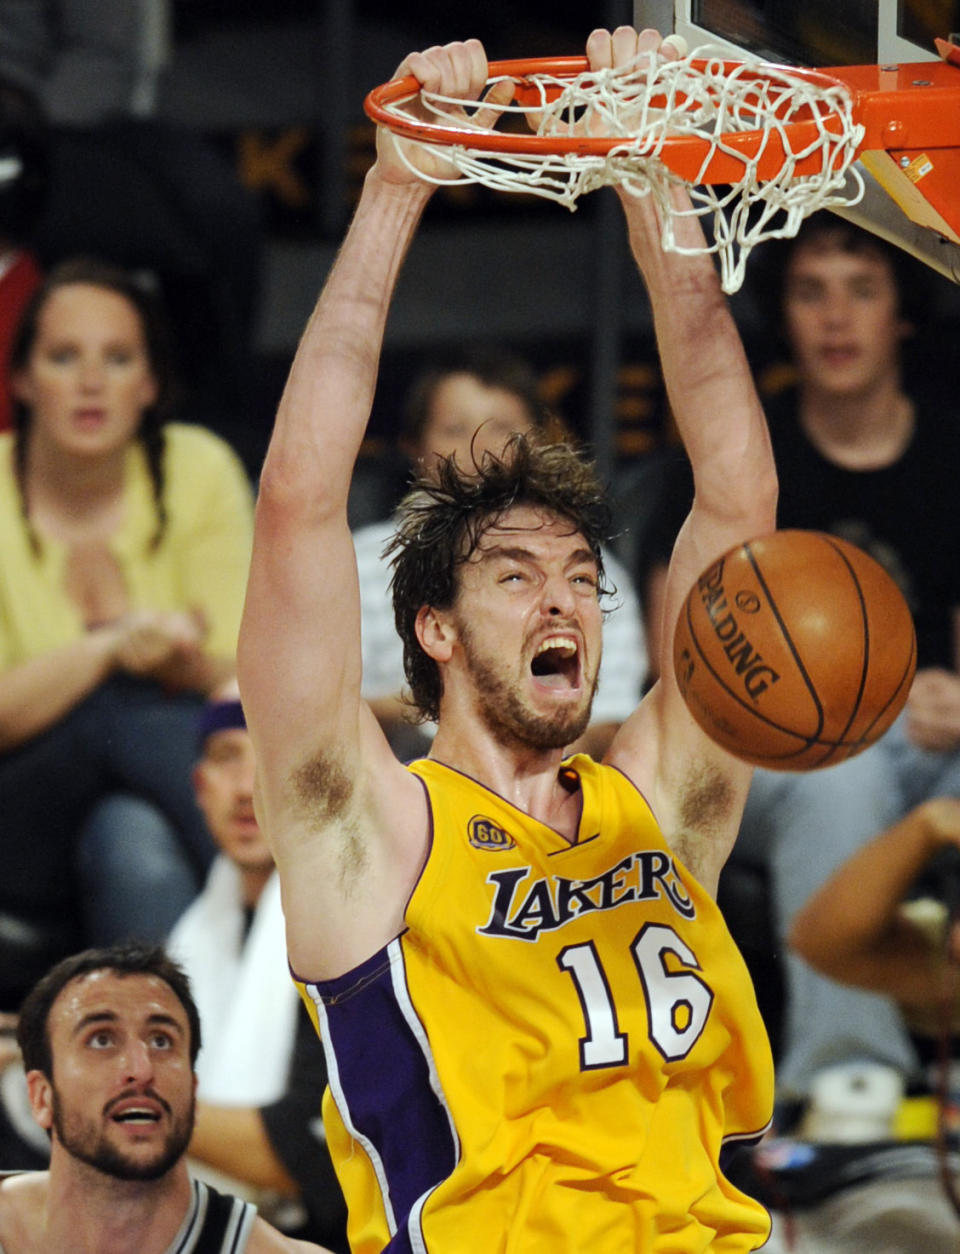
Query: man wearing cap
point(260, 1072)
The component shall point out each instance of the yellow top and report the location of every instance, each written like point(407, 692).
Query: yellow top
point(201, 562)
point(555, 1053)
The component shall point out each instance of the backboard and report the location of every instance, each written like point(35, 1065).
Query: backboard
point(823, 33)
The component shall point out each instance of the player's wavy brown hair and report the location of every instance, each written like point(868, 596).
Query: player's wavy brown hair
point(448, 510)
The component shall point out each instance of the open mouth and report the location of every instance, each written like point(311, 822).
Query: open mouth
point(556, 663)
point(135, 1111)
point(137, 1118)
point(89, 417)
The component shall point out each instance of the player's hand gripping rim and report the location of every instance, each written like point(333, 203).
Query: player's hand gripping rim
point(457, 70)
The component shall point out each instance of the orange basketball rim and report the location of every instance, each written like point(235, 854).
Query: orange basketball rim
point(910, 115)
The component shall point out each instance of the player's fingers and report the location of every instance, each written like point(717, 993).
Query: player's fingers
point(477, 66)
point(599, 50)
point(463, 70)
point(606, 49)
point(456, 70)
point(422, 65)
point(494, 102)
point(628, 44)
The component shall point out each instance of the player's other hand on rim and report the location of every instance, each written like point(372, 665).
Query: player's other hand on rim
point(612, 49)
point(458, 70)
point(616, 50)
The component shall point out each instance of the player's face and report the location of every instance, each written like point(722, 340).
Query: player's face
point(529, 624)
point(467, 419)
point(223, 783)
point(121, 1097)
point(843, 320)
point(88, 378)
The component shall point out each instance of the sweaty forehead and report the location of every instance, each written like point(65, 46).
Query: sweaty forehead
point(134, 996)
point(529, 530)
point(529, 521)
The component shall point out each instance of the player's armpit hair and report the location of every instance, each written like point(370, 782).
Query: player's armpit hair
point(324, 794)
point(707, 799)
point(322, 788)
point(352, 858)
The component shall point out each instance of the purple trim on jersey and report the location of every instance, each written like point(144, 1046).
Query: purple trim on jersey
point(386, 1078)
point(732, 1145)
point(431, 836)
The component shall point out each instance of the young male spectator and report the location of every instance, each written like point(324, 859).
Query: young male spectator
point(260, 1073)
point(109, 1038)
point(860, 456)
point(545, 1037)
point(462, 406)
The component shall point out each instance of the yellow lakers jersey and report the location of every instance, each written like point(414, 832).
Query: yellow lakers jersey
point(554, 1054)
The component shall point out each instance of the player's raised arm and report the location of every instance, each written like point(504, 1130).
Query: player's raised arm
point(698, 789)
point(324, 766)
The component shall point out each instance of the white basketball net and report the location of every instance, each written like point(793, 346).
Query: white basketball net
point(709, 99)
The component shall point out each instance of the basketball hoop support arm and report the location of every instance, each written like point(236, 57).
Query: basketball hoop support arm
point(911, 144)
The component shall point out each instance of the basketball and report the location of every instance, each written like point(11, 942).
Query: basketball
point(795, 650)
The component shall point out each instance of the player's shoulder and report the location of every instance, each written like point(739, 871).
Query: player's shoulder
point(688, 782)
point(20, 1184)
point(22, 1200)
point(265, 1239)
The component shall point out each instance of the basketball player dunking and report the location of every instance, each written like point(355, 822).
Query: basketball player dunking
point(538, 1028)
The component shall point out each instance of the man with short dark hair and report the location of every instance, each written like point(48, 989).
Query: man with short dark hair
point(109, 1039)
point(261, 1072)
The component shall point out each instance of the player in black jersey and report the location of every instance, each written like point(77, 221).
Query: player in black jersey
point(109, 1040)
